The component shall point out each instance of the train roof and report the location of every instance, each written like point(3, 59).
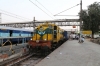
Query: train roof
point(12, 28)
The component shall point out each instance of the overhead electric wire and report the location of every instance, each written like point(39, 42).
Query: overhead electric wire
point(15, 15)
point(66, 10)
point(12, 16)
point(44, 7)
point(40, 9)
point(4, 20)
point(67, 15)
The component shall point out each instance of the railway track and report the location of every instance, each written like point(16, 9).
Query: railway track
point(18, 60)
point(26, 60)
point(31, 61)
point(12, 60)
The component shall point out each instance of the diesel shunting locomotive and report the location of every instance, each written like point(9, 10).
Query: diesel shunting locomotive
point(47, 37)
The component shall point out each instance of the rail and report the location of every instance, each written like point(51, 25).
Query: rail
point(8, 61)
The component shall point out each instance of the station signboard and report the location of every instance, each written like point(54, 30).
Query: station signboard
point(87, 32)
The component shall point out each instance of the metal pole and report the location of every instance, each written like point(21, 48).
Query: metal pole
point(81, 16)
point(34, 28)
point(99, 30)
point(33, 25)
point(80, 20)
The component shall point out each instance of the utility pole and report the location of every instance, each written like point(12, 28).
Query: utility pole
point(81, 15)
point(80, 19)
point(33, 25)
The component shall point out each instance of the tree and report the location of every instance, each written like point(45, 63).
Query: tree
point(91, 18)
point(85, 19)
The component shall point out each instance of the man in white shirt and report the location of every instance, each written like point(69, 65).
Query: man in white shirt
point(73, 35)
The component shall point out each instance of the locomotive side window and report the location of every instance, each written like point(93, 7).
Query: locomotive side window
point(55, 31)
point(55, 27)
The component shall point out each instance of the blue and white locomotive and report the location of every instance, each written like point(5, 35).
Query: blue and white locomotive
point(14, 35)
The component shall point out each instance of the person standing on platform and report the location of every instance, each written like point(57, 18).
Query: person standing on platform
point(73, 35)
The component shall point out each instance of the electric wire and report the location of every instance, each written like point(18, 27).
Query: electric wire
point(4, 20)
point(44, 7)
point(66, 10)
point(40, 9)
point(67, 15)
point(14, 15)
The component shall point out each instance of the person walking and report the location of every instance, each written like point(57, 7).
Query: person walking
point(81, 39)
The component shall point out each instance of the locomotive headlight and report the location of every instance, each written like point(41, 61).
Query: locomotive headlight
point(31, 39)
point(45, 39)
point(37, 41)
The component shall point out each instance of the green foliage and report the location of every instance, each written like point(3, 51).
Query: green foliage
point(91, 17)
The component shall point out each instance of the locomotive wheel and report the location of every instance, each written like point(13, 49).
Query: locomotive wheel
point(53, 48)
point(59, 43)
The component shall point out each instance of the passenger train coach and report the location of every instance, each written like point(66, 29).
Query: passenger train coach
point(14, 35)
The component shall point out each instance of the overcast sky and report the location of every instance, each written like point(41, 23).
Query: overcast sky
point(27, 10)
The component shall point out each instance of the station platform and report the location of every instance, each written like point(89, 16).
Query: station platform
point(72, 53)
